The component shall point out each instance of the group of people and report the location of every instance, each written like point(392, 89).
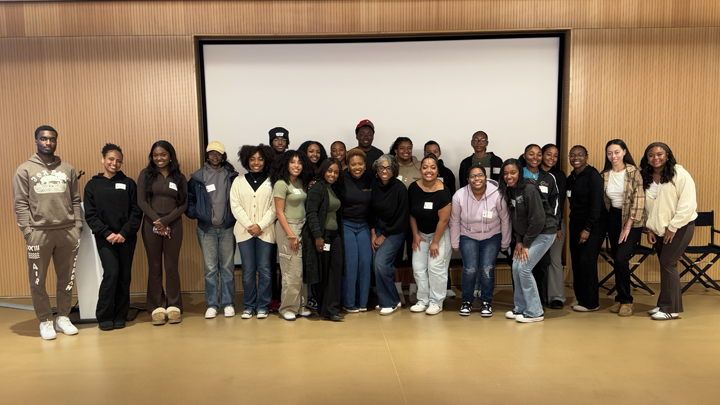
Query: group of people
point(338, 223)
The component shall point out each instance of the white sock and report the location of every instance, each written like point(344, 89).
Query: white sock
point(398, 287)
point(413, 288)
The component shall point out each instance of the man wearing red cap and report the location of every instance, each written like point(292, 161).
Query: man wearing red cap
point(365, 134)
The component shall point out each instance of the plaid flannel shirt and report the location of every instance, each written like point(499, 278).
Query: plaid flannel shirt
point(633, 205)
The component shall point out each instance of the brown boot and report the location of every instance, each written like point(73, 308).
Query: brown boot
point(615, 308)
point(158, 316)
point(626, 310)
point(174, 315)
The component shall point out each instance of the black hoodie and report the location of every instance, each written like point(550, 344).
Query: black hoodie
point(530, 213)
point(111, 206)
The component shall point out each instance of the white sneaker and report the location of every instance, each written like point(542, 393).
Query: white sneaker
point(388, 311)
point(418, 308)
point(289, 316)
point(304, 312)
point(433, 309)
point(523, 319)
point(664, 316)
point(512, 314)
point(63, 324)
point(47, 332)
point(262, 314)
point(229, 311)
point(573, 304)
point(450, 293)
point(654, 311)
point(210, 313)
point(247, 314)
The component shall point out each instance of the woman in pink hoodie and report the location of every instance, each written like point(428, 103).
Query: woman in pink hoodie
point(479, 228)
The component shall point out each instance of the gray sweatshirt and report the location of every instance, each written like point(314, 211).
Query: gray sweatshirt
point(47, 196)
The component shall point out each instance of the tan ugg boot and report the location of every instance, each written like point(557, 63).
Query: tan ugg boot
point(174, 315)
point(158, 316)
point(626, 310)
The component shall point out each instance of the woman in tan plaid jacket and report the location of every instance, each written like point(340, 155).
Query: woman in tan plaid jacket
point(625, 201)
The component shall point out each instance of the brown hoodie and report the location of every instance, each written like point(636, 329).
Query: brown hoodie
point(46, 196)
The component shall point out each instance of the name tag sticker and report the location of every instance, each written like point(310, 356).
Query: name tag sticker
point(428, 206)
point(441, 179)
point(326, 247)
point(210, 188)
point(512, 202)
point(268, 185)
point(543, 189)
point(173, 186)
point(399, 178)
point(496, 170)
point(120, 186)
point(569, 193)
point(296, 191)
point(487, 214)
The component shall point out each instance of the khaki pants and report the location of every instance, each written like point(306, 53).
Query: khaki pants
point(294, 291)
point(62, 246)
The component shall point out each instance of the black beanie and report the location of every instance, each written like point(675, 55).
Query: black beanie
point(279, 132)
point(44, 128)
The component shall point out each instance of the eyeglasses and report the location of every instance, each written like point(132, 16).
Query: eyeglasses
point(573, 155)
point(214, 153)
point(476, 176)
point(384, 168)
point(476, 140)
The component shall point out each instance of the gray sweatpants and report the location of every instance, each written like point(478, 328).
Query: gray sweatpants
point(555, 274)
point(62, 246)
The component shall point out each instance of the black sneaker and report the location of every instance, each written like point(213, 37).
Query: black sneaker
point(466, 308)
point(486, 310)
point(312, 303)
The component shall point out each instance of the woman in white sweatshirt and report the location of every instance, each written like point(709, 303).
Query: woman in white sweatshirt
point(670, 207)
point(479, 228)
point(251, 202)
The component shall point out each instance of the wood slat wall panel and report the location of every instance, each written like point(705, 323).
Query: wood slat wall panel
point(647, 85)
point(351, 16)
point(127, 90)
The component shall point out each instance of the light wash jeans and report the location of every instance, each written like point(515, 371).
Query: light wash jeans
point(256, 256)
point(218, 249)
point(431, 274)
point(358, 257)
point(527, 296)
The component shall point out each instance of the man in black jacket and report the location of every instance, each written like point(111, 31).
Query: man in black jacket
point(482, 157)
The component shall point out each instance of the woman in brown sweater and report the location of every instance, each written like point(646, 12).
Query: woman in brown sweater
point(162, 196)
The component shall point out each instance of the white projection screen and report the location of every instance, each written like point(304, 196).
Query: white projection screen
point(441, 89)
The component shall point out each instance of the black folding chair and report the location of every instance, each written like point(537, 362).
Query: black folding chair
point(711, 249)
point(642, 251)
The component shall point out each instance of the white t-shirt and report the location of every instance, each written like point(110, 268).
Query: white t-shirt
point(614, 191)
point(653, 190)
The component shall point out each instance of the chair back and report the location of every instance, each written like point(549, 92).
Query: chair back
point(705, 219)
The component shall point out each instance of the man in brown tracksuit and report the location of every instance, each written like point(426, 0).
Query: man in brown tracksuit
point(47, 205)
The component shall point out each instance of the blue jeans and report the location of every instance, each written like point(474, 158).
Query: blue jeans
point(478, 257)
point(218, 249)
point(527, 296)
point(256, 256)
point(358, 256)
point(383, 261)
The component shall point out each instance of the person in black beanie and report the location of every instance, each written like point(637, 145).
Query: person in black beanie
point(279, 140)
point(113, 215)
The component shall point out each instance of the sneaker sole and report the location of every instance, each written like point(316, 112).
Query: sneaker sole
point(530, 320)
point(433, 313)
point(486, 315)
point(59, 330)
point(243, 317)
point(464, 313)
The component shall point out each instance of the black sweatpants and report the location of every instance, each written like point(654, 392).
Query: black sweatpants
point(584, 263)
point(328, 290)
point(114, 295)
point(622, 253)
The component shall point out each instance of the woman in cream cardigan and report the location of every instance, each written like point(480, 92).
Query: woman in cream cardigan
point(670, 207)
point(251, 201)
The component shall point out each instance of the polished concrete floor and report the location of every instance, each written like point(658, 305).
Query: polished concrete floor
point(404, 358)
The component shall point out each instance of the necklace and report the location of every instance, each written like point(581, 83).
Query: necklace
point(255, 179)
